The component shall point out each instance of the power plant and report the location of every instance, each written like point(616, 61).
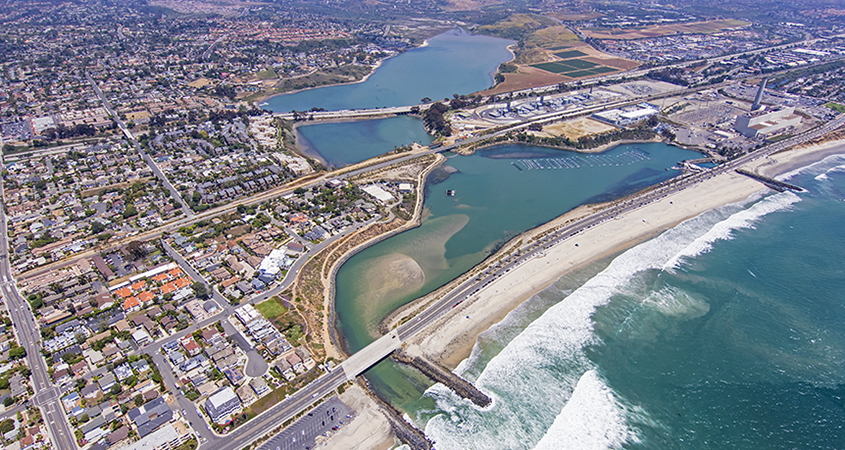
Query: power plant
point(757, 105)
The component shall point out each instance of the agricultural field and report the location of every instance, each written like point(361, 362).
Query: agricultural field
point(575, 68)
point(569, 54)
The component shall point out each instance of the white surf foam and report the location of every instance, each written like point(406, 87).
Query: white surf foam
point(724, 229)
point(822, 166)
point(543, 375)
point(592, 419)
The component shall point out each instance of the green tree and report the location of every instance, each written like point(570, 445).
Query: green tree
point(17, 353)
point(200, 289)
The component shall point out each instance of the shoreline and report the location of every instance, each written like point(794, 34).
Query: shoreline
point(336, 338)
point(308, 150)
point(374, 67)
point(456, 335)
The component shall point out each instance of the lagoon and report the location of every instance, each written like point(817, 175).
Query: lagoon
point(500, 193)
point(342, 143)
point(455, 62)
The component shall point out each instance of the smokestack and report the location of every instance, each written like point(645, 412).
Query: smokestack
point(756, 105)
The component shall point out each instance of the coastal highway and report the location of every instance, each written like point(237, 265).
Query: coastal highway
point(378, 350)
point(535, 248)
point(381, 348)
point(346, 172)
point(29, 337)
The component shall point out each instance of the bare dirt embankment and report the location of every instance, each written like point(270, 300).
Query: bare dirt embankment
point(312, 290)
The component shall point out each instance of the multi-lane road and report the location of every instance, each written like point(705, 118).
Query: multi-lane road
point(381, 348)
point(29, 337)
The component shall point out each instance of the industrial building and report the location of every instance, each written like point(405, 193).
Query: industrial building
point(627, 116)
point(765, 123)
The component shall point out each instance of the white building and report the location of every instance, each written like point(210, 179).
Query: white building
point(766, 123)
point(627, 116)
point(272, 264)
point(165, 438)
point(377, 192)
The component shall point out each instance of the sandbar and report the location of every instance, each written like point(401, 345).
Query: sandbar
point(451, 340)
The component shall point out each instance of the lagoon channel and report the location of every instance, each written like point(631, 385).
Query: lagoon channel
point(500, 192)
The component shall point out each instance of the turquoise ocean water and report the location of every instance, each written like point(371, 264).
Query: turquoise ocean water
point(500, 192)
point(727, 331)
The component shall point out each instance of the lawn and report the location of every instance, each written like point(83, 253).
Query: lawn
point(271, 309)
point(836, 107)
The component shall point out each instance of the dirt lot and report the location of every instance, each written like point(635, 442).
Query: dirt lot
point(528, 77)
point(618, 63)
point(574, 129)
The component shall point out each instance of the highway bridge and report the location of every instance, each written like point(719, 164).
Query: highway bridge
point(348, 114)
point(362, 360)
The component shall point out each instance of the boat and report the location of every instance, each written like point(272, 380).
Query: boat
point(450, 193)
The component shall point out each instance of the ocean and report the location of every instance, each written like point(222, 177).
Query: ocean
point(727, 331)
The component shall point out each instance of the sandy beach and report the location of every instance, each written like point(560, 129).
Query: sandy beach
point(452, 339)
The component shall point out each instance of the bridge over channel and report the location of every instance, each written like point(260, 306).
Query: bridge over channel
point(347, 113)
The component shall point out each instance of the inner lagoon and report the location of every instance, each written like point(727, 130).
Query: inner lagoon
point(500, 192)
point(455, 62)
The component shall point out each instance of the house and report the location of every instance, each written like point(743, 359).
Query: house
point(211, 336)
point(168, 323)
point(123, 371)
point(106, 381)
point(150, 416)
point(246, 395)
point(234, 375)
point(244, 287)
point(296, 362)
point(141, 366)
point(305, 357)
point(190, 345)
point(141, 337)
point(71, 401)
point(259, 386)
point(222, 404)
point(118, 435)
point(90, 391)
point(61, 376)
point(284, 368)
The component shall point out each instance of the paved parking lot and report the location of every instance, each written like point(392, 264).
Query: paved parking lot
point(300, 435)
